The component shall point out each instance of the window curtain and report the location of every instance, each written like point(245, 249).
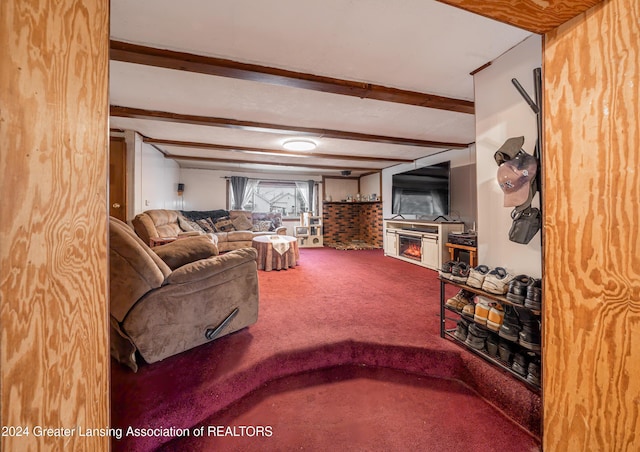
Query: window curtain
point(241, 188)
point(312, 198)
point(306, 191)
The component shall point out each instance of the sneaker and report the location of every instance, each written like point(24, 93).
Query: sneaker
point(469, 310)
point(476, 337)
point(511, 326)
point(477, 275)
point(533, 372)
point(504, 351)
point(497, 281)
point(492, 345)
point(529, 335)
point(533, 299)
point(462, 330)
point(459, 300)
point(520, 364)
point(495, 317)
point(517, 289)
point(445, 271)
point(482, 310)
point(460, 272)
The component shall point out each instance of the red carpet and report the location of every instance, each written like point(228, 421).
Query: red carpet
point(358, 408)
point(337, 308)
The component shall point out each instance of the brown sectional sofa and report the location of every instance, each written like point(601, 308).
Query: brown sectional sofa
point(177, 296)
point(230, 230)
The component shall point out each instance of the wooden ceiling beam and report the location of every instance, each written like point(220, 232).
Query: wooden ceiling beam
point(138, 113)
point(533, 15)
point(240, 149)
point(151, 56)
point(253, 162)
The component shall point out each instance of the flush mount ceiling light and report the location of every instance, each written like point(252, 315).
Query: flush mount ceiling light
point(299, 145)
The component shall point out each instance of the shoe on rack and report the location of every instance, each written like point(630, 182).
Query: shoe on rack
point(477, 275)
point(504, 351)
point(461, 330)
point(476, 337)
point(517, 290)
point(495, 317)
point(533, 299)
point(445, 271)
point(533, 372)
point(459, 300)
point(492, 345)
point(497, 281)
point(482, 310)
point(520, 364)
point(529, 335)
point(469, 310)
point(460, 272)
point(511, 326)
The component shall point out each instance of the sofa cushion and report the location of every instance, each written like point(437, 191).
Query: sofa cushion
point(240, 236)
point(262, 225)
point(260, 219)
point(187, 250)
point(166, 222)
point(187, 225)
point(223, 224)
point(206, 225)
point(242, 223)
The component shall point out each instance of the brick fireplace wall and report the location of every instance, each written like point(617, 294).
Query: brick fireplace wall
point(344, 222)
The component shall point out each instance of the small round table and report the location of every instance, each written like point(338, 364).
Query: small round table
point(276, 252)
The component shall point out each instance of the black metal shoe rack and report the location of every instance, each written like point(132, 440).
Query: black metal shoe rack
point(449, 333)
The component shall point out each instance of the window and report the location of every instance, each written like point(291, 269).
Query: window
point(290, 198)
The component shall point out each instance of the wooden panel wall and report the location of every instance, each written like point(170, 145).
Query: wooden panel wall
point(592, 231)
point(54, 349)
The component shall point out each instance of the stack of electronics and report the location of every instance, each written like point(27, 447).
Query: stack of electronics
point(463, 238)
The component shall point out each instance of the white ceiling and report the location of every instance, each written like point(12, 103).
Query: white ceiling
point(416, 45)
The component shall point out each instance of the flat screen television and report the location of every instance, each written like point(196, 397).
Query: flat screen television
point(423, 191)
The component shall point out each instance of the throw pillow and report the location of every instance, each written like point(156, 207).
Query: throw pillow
point(277, 221)
point(264, 226)
point(205, 225)
point(184, 224)
point(223, 224)
point(196, 226)
point(242, 223)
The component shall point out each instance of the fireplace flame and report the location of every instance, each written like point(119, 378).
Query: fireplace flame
point(412, 251)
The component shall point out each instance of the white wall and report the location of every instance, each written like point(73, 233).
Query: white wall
point(501, 113)
point(370, 184)
point(337, 189)
point(203, 189)
point(154, 178)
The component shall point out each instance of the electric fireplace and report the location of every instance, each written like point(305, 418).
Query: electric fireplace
point(410, 246)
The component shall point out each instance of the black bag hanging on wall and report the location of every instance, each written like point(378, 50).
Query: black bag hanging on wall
point(526, 224)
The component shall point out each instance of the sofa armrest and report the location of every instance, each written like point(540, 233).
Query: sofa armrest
point(186, 250)
point(144, 227)
point(207, 268)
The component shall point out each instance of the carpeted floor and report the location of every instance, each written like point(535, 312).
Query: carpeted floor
point(336, 309)
point(360, 408)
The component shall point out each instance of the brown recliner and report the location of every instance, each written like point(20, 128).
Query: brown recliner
point(157, 312)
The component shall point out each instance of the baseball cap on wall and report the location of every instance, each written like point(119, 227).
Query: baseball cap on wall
point(516, 178)
point(509, 150)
